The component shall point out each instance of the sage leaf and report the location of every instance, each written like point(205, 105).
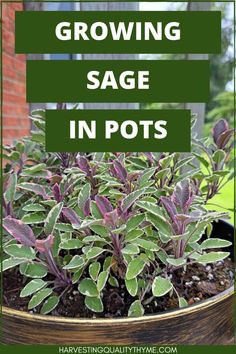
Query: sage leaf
point(12, 262)
point(131, 198)
point(20, 231)
point(33, 187)
point(94, 252)
point(133, 235)
point(33, 270)
point(51, 219)
point(33, 207)
point(134, 222)
point(71, 244)
point(76, 262)
point(135, 267)
point(136, 309)
point(33, 286)
point(215, 243)
point(212, 257)
point(11, 188)
point(39, 297)
point(132, 286)
point(33, 218)
point(94, 270)
point(50, 304)
point(20, 251)
point(130, 249)
point(182, 302)
point(88, 287)
point(177, 262)
point(102, 279)
point(161, 286)
point(147, 245)
point(94, 304)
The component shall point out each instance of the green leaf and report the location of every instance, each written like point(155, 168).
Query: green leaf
point(130, 249)
point(94, 252)
point(133, 235)
point(135, 267)
point(35, 168)
point(201, 159)
point(218, 156)
point(100, 230)
point(196, 230)
point(77, 275)
point(147, 245)
point(94, 270)
point(39, 297)
point(33, 207)
point(136, 309)
point(32, 287)
point(160, 223)
point(212, 257)
point(215, 243)
point(94, 304)
point(76, 262)
point(71, 244)
point(102, 279)
point(176, 262)
point(162, 173)
point(131, 198)
point(150, 207)
point(33, 270)
point(51, 219)
point(132, 286)
point(113, 282)
point(134, 222)
point(19, 251)
point(64, 227)
point(33, 218)
point(50, 304)
point(11, 188)
point(12, 262)
point(93, 238)
point(88, 287)
point(146, 175)
point(182, 302)
point(161, 286)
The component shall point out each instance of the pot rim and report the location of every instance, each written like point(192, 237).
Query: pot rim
point(202, 305)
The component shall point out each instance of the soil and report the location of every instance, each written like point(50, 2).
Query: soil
point(197, 283)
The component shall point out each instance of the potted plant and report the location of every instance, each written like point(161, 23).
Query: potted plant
point(116, 248)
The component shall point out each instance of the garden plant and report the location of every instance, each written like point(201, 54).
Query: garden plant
point(113, 233)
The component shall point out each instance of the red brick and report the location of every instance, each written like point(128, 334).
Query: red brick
point(15, 109)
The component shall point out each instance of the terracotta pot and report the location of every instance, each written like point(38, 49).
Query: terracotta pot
point(208, 322)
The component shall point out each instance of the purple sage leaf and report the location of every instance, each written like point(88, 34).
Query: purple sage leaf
point(86, 208)
point(20, 231)
point(170, 207)
point(224, 138)
point(183, 195)
point(45, 245)
point(83, 164)
point(111, 218)
point(220, 127)
point(103, 204)
point(120, 171)
point(71, 216)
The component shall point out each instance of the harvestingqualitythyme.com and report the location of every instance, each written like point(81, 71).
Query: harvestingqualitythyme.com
point(118, 350)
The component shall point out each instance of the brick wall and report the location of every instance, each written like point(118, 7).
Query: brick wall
point(15, 110)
